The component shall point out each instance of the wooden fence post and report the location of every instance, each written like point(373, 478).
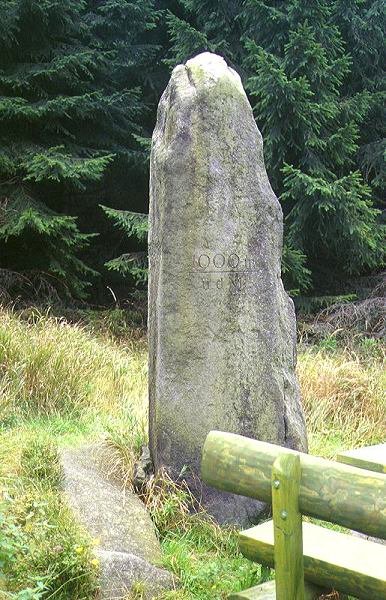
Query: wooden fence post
point(287, 520)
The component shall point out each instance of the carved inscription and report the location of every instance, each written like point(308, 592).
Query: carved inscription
point(223, 263)
point(220, 270)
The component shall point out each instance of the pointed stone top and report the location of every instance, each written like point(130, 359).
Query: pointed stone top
point(210, 62)
point(213, 67)
point(207, 70)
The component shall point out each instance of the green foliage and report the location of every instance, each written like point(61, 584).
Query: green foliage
point(135, 225)
point(333, 220)
point(51, 555)
point(43, 550)
point(207, 562)
point(79, 86)
point(71, 102)
point(40, 460)
point(38, 240)
point(203, 556)
point(212, 25)
point(186, 41)
point(294, 272)
point(132, 264)
point(312, 129)
point(56, 165)
point(11, 540)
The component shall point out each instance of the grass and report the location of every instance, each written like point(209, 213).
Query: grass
point(204, 557)
point(49, 367)
point(343, 396)
point(65, 384)
point(208, 563)
point(43, 551)
point(60, 384)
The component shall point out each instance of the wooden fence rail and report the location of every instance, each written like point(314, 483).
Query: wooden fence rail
point(338, 493)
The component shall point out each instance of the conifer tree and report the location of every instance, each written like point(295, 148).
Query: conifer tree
point(79, 86)
point(133, 225)
point(363, 24)
point(71, 103)
point(315, 85)
point(312, 130)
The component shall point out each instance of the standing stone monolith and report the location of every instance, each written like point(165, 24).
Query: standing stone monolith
point(221, 327)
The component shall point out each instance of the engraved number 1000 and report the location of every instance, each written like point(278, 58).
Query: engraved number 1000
point(221, 262)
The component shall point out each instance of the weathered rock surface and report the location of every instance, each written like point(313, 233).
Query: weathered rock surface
point(221, 327)
point(122, 570)
point(128, 548)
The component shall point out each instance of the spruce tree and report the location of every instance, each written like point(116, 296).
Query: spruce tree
point(132, 225)
point(314, 81)
point(362, 24)
point(72, 74)
point(312, 130)
point(79, 86)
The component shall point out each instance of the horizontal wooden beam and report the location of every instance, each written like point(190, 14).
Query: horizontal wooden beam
point(347, 563)
point(264, 591)
point(372, 458)
point(352, 497)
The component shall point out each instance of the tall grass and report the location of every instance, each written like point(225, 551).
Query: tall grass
point(343, 395)
point(48, 367)
point(66, 378)
point(57, 380)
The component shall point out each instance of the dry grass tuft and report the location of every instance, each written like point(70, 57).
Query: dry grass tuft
point(49, 367)
point(121, 447)
point(343, 396)
point(169, 503)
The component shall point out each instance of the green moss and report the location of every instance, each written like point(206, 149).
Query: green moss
point(226, 86)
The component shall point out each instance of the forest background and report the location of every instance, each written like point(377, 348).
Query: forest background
point(80, 81)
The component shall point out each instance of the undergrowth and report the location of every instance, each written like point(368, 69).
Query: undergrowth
point(343, 395)
point(59, 384)
point(49, 367)
point(204, 556)
point(43, 551)
point(66, 384)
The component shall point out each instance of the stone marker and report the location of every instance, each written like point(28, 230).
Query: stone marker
point(221, 327)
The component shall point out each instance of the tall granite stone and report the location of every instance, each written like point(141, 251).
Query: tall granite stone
point(221, 327)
